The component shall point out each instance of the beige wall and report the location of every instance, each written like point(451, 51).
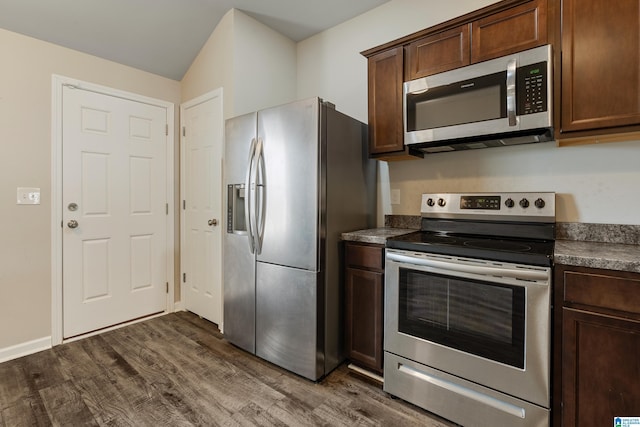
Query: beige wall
point(25, 125)
point(594, 183)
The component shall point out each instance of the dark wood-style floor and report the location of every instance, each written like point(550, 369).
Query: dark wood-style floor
point(177, 370)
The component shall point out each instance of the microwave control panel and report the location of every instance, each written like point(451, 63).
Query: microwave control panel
point(531, 88)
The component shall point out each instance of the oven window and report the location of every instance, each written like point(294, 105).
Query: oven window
point(481, 318)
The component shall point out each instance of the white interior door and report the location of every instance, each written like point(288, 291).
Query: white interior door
point(202, 221)
point(114, 210)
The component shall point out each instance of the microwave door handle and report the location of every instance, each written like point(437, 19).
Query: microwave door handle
point(416, 87)
point(511, 93)
point(418, 91)
point(248, 207)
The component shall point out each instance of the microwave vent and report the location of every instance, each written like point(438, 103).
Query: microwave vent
point(474, 145)
point(440, 149)
point(503, 140)
point(527, 139)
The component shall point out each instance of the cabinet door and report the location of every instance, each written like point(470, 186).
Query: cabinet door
point(439, 52)
point(519, 28)
point(385, 102)
point(600, 64)
point(600, 369)
point(364, 314)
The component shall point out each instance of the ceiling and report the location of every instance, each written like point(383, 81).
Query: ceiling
point(163, 36)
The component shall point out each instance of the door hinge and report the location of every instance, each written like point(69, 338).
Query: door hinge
point(184, 131)
point(167, 205)
point(184, 205)
point(167, 287)
point(166, 129)
point(184, 277)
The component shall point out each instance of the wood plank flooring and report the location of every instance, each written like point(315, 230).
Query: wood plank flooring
point(177, 370)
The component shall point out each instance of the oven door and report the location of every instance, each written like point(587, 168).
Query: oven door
point(485, 321)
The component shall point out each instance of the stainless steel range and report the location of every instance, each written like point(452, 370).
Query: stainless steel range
point(468, 309)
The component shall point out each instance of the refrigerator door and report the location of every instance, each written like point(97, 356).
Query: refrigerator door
point(239, 261)
point(287, 327)
point(290, 135)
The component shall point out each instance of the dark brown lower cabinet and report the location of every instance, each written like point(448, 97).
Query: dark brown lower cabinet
point(599, 355)
point(364, 304)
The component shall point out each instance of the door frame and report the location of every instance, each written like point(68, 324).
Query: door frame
point(216, 93)
point(57, 84)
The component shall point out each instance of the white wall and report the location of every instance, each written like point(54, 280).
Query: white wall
point(25, 161)
point(264, 71)
point(255, 66)
point(594, 183)
point(213, 67)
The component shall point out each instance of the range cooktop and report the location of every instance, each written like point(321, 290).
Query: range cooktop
point(509, 227)
point(522, 251)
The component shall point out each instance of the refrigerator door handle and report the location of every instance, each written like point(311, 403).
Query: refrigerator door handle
point(261, 195)
point(248, 207)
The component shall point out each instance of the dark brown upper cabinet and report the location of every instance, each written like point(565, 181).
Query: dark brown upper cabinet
point(600, 76)
point(513, 30)
point(498, 34)
point(385, 101)
point(438, 52)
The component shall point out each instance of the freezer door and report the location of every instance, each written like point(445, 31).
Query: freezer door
point(290, 136)
point(287, 319)
point(239, 262)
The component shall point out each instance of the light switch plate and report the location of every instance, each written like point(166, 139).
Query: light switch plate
point(28, 196)
point(395, 197)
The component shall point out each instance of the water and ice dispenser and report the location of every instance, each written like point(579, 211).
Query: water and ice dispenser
point(236, 222)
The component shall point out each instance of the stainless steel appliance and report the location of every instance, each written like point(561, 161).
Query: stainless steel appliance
point(468, 309)
point(297, 176)
point(503, 101)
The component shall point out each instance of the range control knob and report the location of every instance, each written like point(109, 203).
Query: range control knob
point(430, 202)
point(539, 203)
point(441, 202)
point(524, 203)
point(509, 203)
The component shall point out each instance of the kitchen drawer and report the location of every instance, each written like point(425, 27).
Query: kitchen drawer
point(365, 256)
point(607, 291)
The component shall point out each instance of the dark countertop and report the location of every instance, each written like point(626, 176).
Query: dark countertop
point(375, 235)
point(605, 246)
point(608, 256)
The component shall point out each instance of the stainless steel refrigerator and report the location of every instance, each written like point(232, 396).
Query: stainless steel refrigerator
point(296, 177)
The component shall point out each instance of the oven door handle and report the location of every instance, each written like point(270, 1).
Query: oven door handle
point(454, 266)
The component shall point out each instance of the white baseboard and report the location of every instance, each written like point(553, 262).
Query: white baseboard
point(24, 349)
point(177, 306)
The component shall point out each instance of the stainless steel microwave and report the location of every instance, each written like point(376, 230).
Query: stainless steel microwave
point(503, 101)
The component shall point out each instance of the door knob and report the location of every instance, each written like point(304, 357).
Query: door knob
point(212, 222)
point(72, 224)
